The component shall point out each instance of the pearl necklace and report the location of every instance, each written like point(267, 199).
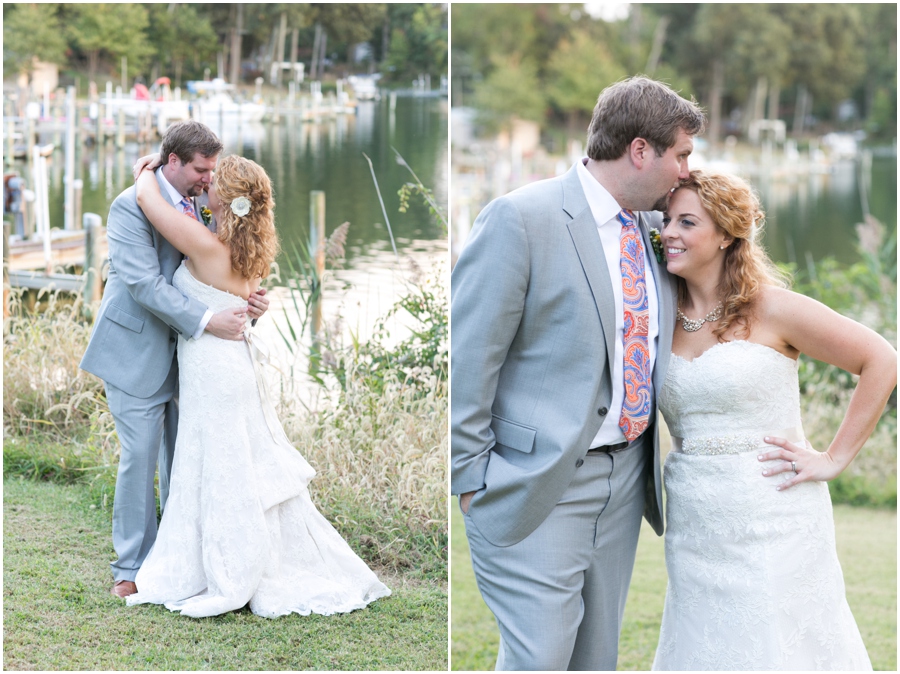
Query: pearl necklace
point(692, 325)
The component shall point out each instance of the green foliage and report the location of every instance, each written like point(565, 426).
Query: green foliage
point(834, 51)
point(31, 30)
point(419, 361)
point(866, 292)
point(98, 31)
point(579, 70)
point(418, 41)
point(187, 37)
point(512, 89)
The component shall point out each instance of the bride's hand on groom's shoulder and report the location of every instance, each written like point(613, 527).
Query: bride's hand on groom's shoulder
point(803, 462)
point(150, 161)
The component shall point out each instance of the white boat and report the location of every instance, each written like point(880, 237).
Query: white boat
point(365, 87)
point(222, 104)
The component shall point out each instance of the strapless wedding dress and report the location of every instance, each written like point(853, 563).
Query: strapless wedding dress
point(239, 525)
point(754, 578)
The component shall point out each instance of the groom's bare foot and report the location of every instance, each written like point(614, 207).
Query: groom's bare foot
point(124, 588)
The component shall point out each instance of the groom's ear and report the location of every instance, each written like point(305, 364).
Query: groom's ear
point(637, 152)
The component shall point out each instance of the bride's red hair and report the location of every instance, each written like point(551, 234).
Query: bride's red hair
point(252, 237)
point(734, 207)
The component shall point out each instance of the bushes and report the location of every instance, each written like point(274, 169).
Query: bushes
point(379, 446)
point(866, 292)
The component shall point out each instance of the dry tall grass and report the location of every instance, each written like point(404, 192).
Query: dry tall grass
point(380, 457)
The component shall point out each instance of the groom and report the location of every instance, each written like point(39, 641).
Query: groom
point(132, 347)
point(562, 328)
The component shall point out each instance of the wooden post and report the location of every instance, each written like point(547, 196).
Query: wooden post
point(317, 250)
point(5, 273)
point(92, 261)
point(69, 179)
point(120, 129)
point(77, 191)
point(10, 143)
point(29, 138)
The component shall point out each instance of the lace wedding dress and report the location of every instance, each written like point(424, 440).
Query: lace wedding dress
point(754, 577)
point(239, 525)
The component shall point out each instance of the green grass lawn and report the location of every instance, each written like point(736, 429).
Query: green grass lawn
point(58, 613)
point(867, 547)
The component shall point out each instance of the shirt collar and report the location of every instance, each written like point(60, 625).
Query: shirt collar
point(174, 194)
point(603, 206)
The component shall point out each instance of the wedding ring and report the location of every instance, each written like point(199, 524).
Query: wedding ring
point(794, 466)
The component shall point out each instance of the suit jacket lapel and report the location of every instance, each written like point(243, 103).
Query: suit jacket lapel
point(583, 230)
point(665, 293)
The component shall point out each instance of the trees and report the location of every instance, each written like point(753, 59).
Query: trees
point(110, 30)
point(180, 34)
point(31, 31)
point(184, 39)
point(744, 61)
point(418, 41)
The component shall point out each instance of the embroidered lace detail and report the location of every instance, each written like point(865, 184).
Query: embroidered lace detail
point(754, 578)
point(239, 525)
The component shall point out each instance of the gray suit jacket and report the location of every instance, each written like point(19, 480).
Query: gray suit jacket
point(533, 323)
point(133, 341)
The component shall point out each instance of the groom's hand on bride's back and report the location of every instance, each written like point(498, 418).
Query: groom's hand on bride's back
point(228, 324)
point(258, 305)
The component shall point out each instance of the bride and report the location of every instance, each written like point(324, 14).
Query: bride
point(754, 578)
point(239, 525)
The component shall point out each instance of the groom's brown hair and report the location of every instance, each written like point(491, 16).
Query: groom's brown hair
point(640, 108)
point(188, 138)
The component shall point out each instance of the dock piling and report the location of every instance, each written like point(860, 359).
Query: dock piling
point(317, 249)
point(92, 262)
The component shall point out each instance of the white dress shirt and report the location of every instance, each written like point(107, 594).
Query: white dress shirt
point(177, 196)
point(605, 209)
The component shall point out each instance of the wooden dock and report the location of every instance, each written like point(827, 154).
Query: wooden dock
point(66, 250)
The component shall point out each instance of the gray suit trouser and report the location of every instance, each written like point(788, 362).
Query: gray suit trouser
point(146, 428)
point(559, 594)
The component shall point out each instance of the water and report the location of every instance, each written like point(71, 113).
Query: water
point(301, 157)
point(816, 215)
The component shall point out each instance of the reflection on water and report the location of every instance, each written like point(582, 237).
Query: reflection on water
point(355, 298)
point(301, 157)
point(814, 216)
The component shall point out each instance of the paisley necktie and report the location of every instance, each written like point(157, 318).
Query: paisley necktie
point(188, 208)
point(636, 407)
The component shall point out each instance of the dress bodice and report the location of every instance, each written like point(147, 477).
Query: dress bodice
point(740, 388)
point(215, 299)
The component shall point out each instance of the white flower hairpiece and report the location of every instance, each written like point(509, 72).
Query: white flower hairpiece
point(240, 206)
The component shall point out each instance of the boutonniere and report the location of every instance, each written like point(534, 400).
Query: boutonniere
point(657, 245)
point(206, 214)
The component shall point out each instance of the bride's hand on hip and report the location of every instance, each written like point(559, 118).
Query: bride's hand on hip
point(806, 463)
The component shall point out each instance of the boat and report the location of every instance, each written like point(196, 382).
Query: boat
point(365, 87)
point(217, 100)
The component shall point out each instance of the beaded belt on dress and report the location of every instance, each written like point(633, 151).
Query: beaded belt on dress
point(715, 445)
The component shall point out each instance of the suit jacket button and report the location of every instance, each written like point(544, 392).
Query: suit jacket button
point(602, 411)
point(579, 463)
point(171, 339)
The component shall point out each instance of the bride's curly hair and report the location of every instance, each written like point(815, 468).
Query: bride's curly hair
point(252, 237)
point(734, 207)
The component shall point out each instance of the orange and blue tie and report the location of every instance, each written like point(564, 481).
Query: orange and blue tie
point(636, 407)
point(188, 208)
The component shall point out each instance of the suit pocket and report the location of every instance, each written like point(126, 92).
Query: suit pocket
point(124, 319)
point(513, 435)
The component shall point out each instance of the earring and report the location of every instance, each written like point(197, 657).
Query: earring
point(721, 247)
